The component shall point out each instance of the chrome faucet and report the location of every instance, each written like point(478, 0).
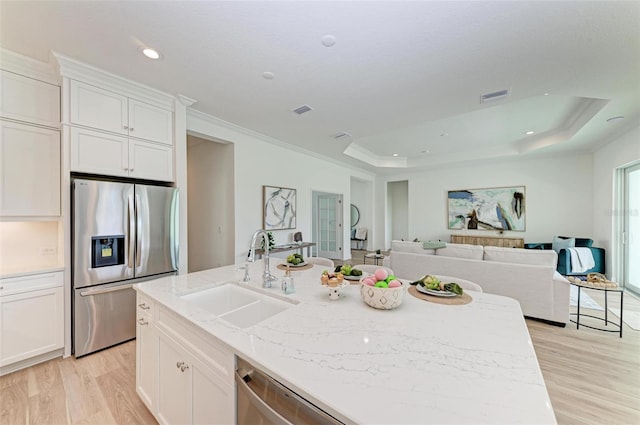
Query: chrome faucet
point(267, 277)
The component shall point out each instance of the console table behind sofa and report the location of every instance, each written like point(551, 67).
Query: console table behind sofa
point(488, 241)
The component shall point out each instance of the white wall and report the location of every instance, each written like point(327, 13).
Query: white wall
point(260, 161)
point(606, 160)
point(559, 193)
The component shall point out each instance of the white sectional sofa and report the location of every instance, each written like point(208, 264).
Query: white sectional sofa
point(529, 276)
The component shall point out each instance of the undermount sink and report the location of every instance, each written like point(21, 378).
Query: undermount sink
point(242, 307)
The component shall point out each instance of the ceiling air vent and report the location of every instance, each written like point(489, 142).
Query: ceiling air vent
point(496, 95)
point(302, 109)
point(342, 135)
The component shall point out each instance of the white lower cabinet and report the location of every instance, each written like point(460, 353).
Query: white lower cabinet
point(31, 316)
point(146, 353)
point(108, 154)
point(193, 379)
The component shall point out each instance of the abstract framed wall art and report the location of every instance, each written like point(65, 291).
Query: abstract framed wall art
point(497, 208)
point(279, 207)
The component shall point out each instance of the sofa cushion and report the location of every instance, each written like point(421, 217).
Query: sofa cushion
point(533, 257)
point(459, 250)
point(408, 246)
point(562, 243)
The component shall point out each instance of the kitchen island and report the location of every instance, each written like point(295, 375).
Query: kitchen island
point(421, 363)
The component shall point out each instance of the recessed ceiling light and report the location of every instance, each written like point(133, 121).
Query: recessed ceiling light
point(444, 134)
point(328, 40)
point(395, 154)
point(151, 53)
point(267, 75)
point(530, 132)
point(545, 94)
point(618, 118)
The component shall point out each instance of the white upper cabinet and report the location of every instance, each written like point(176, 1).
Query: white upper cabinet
point(29, 100)
point(97, 108)
point(109, 111)
point(150, 122)
point(29, 170)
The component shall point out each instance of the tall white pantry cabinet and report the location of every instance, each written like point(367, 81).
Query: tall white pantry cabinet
point(31, 301)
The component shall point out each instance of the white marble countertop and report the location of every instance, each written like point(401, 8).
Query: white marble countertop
point(7, 272)
point(422, 363)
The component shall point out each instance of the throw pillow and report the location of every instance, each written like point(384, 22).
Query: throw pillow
point(561, 243)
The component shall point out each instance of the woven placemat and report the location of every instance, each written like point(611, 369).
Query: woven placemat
point(293, 269)
point(464, 299)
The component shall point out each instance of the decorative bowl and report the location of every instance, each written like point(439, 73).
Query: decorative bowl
point(382, 298)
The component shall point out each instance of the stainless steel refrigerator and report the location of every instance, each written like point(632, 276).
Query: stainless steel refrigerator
point(123, 233)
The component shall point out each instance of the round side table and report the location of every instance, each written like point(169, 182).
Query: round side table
point(605, 319)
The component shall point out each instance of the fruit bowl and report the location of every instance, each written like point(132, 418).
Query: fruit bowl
point(382, 298)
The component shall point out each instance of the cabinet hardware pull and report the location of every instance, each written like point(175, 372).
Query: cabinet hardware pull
point(131, 129)
point(142, 321)
point(184, 367)
point(179, 364)
point(126, 127)
point(144, 306)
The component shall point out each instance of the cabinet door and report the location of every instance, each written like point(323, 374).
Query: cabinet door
point(94, 107)
point(31, 323)
point(150, 161)
point(150, 122)
point(146, 360)
point(98, 153)
point(29, 170)
point(212, 401)
point(174, 383)
point(29, 100)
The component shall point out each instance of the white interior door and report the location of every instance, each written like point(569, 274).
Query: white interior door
point(632, 228)
point(328, 219)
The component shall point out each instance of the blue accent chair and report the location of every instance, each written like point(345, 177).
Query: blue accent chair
point(564, 258)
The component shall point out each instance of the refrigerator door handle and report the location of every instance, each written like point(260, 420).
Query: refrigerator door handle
point(105, 291)
point(131, 227)
point(138, 231)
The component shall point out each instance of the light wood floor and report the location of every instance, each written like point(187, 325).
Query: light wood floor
point(592, 377)
point(96, 389)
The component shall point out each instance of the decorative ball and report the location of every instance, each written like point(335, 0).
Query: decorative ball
point(381, 284)
point(381, 274)
point(394, 284)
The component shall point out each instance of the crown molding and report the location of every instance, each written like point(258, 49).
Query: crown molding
point(185, 100)
point(28, 67)
point(198, 115)
point(89, 74)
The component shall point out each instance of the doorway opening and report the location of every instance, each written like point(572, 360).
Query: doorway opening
point(327, 224)
point(210, 203)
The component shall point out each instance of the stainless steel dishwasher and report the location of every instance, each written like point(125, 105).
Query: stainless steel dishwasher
point(261, 400)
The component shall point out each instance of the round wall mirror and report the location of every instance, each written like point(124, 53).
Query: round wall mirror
point(355, 215)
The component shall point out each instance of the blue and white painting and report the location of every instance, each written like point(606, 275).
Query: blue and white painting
point(279, 205)
point(499, 208)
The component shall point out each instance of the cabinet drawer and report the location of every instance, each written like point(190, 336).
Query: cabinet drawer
point(213, 353)
point(29, 100)
point(17, 285)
